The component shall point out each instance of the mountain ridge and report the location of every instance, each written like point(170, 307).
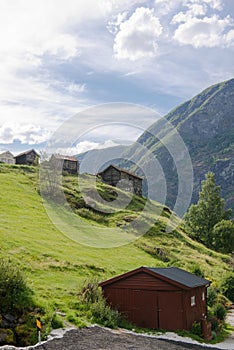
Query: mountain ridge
point(206, 125)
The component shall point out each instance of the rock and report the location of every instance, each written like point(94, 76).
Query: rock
point(6, 336)
point(8, 317)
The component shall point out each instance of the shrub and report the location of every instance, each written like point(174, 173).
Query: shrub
point(228, 287)
point(221, 299)
point(7, 336)
point(197, 271)
point(211, 296)
point(103, 314)
point(98, 310)
point(214, 323)
point(15, 295)
point(90, 292)
point(214, 335)
point(196, 329)
point(220, 312)
point(25, 335)
point(56, 322)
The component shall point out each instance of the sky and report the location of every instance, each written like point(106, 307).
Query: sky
point(62, 57)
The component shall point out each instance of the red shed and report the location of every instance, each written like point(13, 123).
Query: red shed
point(166, 298)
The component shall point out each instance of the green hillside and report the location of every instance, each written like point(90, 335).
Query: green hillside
point(56, 266)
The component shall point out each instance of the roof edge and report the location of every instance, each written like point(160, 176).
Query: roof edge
point(122, 170)
point(152, 273)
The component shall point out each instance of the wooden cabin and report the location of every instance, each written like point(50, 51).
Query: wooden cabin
point(67, 164)
point(166, 298)
point(28, 158)
point(121, 178)
point(7, 157)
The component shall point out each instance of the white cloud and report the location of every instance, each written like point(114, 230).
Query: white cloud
point(205, 32)
point(137, 36)
point(165, 7)
point(115, 6)
point(64, 46)
point(45, 103)
point(76, 88)
point(43, 26)
point(25, 133)
point(114, 23)
point(194, 10)
point(197, 9)
point(229, 38)
point(32, 36)
point(214, 4)
point(85, 146)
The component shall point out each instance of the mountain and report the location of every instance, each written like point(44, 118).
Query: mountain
point(206, 126)
point(96, 160)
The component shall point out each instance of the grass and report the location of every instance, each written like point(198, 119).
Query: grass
point(57, 264)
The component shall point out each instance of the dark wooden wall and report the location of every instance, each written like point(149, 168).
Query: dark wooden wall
point(154, 303)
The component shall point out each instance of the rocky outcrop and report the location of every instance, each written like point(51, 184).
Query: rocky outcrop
point(17, 329)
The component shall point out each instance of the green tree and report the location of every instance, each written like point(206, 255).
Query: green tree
point(203, 216)
point(223, 236)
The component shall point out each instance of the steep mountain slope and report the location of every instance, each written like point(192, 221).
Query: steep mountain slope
point(206, 125)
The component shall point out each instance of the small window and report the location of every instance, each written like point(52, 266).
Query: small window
point(193, 301)
point(203, 296)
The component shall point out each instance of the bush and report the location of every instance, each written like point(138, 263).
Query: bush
point(25, 335)
point(214, 323)
point(103, 314)
point(98, 310)
point(15, 295)
point(220, 312)
point(228, 287)
point(90, 292)
point(56, 322)
point(221, 299)
point(196, 329)
point(214, 335)
point(211, 296)
point(197, 271)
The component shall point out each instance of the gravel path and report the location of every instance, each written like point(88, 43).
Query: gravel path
point(97, 338)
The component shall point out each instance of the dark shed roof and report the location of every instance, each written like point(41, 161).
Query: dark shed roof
point(181, 276)
point(27, 152)
point(121, 170)
point(173, 275)
point(62, 157)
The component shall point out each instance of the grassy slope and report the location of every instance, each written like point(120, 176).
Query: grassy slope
point(56, 265)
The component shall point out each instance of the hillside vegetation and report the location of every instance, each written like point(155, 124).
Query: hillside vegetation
point(56, 266)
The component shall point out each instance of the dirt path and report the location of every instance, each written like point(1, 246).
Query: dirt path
point(97, 338)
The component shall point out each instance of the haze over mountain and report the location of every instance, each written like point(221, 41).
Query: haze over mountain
point(95, 160)
point(206, 125)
